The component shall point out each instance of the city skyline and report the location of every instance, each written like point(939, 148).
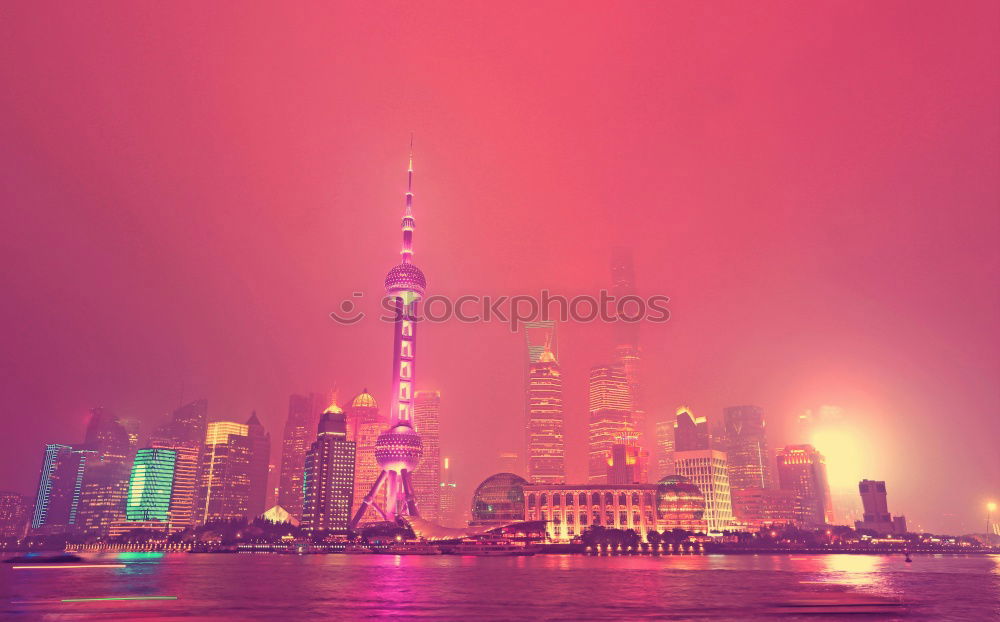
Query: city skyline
point(823, 223)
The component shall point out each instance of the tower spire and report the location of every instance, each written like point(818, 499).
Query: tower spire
point(408, 222)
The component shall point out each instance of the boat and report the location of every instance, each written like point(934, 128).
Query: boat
point(357, 549)
point(408, 548)
point(488, 548)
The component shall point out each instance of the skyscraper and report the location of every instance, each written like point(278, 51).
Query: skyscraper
point(427, 478)
point(627, 350)
point(150, 485)
point(746, 447)
point(802, 470)
point(876, 515)
point(260, 458)
point(328, 480)
point(59, 488)
point(105, 482)
point(228, 470)
point(299, 431)
point(665, 445)
point(690, 432)
point(14, 512)
point(398, 449)
point(610, 408)
point(184, 490)
point(538, 337)
point(706, 468)
point(364, 424)
point(449, 495)
point(625, 464)
point(187, 423)
point(546, 446)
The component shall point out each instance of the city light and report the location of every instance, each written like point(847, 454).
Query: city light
point(846, 454)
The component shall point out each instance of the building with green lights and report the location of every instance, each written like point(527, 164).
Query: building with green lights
point(150, 485)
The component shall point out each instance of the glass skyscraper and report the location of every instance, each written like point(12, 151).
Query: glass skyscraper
point(328, 478)
point(151, 485)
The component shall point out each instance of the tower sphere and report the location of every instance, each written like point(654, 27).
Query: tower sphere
point(399, 448)
point(405, 277)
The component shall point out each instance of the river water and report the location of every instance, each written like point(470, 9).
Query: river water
point(181, 586)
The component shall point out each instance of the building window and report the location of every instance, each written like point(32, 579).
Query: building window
point(583, 498)
point(609, 498)
point(595, 499)
point(569, 498)
point(622, 498)
point(543, 499)
point(556, 498)
point(531, 500)
point(635, 498)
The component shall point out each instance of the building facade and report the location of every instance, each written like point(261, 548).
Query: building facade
point(746, 447)
point(151, 486)
point(260, 459)
point(364, 424)
point(876, 515)
point(427, 477)
point(665, 446)
point(224, 486)
point(707, 469)
point(297, 436)
point(757, 508)
point(14, 514)
point(105, 482)
point(627, 461)
point(610, 410)
point(691, 433)
point(449, 496)
point(328, 480)
point(546, 445)
point(802, 470)
point(59, 488)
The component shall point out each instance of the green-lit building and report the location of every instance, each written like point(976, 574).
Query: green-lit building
point(150, 485)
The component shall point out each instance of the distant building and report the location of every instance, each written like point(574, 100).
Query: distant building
point(230, 474)
point(328, 479)
point(538, 336)
point(509, 461)
point(184, 491)
point(14, 513)
point(59, 488)
point(876, 510)
point(610, 412)
point(707, 469)
point(665, 446)
point(449, 496)
point(626, 334)
point(746, 447)
point(763, 507)
point(260, 458)
point(690, 433)
point(105, 481)
point(298, 435)
point(546, 445)
point(626, 462)
point(427, 476)
point(802, 470)
point(188, 423)
point(151, 485)
point(364, 424)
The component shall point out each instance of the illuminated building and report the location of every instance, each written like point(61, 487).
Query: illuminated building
point(105, 482)
point(14, 510)
point(690, 432)
point(260, 458)
point(627, 350)
point(364, 424)
point(300, 428)
point(427, 478)
point(150, 485)
point(184, 492)
point(509, 461)
point(665, 446)
point(746, 447)
point(610, 408)
point(764, 507)
point(625, 463)
point(328, 480)
point(59, 488)
point(498, 500)
point(187, 423)
point(230, 474)
point(802, 469)
point(546, 447)
point(876, 514)
point(449, 494)
point(538, 337)
point(706, 469)
point(132, 427)
point(568, 509)
point(399, 448)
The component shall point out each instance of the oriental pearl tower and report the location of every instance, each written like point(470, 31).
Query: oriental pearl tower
point(399, 448)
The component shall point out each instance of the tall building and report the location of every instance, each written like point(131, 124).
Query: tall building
point(610, 409)
point(184, 489)
point(449, 495)
point(665, 446)
point(150, 485)
point(399, 448)
point(14, 512)
point(59, 488)
point(328, 480)
point(626, 464)
point(228, 470)
point(690, 433)
point(746, 447)
point(188, 423)
point(627, 349)
point(105, 482)
point(538, 337)
point(300, 428)
point(427, 478)
point(876, 515)
point(546, 445)
point(260, 458)
point(802, 470)
point(707, 469)
point(364, 424)
point(758, 508)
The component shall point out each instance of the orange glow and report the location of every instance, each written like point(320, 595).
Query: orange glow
point(846, 453)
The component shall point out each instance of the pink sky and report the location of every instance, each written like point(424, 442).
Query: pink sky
point(189, 189)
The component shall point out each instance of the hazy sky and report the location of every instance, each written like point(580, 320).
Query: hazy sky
point(188, 189)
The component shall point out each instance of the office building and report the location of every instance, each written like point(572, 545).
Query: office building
point(427, 477)
point(746, 447)
point(59, 487)
point(449, 496)
point(876, 510)
point(298, 435)
point(802, 470)
point(328, 480)
point(707, 469)
point(610, 408)
point(151, 485)
point(757, 508)
point(364, 424)
point(546, 445)
point(14, 514)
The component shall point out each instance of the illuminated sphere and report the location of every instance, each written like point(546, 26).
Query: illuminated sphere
point(405, 277)
point(499, 500)
point(399, 448)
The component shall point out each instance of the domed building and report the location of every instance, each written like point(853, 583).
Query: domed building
point(364, 425)
point(364, 400)
point(499, 500)
point(679, 505)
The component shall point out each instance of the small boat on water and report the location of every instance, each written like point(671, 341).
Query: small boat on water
point(34, 558)
point(488, 548)
point(357, 549)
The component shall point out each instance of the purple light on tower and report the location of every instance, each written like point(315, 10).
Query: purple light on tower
point(399, 448)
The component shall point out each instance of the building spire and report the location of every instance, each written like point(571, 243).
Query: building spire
point(408, 222)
